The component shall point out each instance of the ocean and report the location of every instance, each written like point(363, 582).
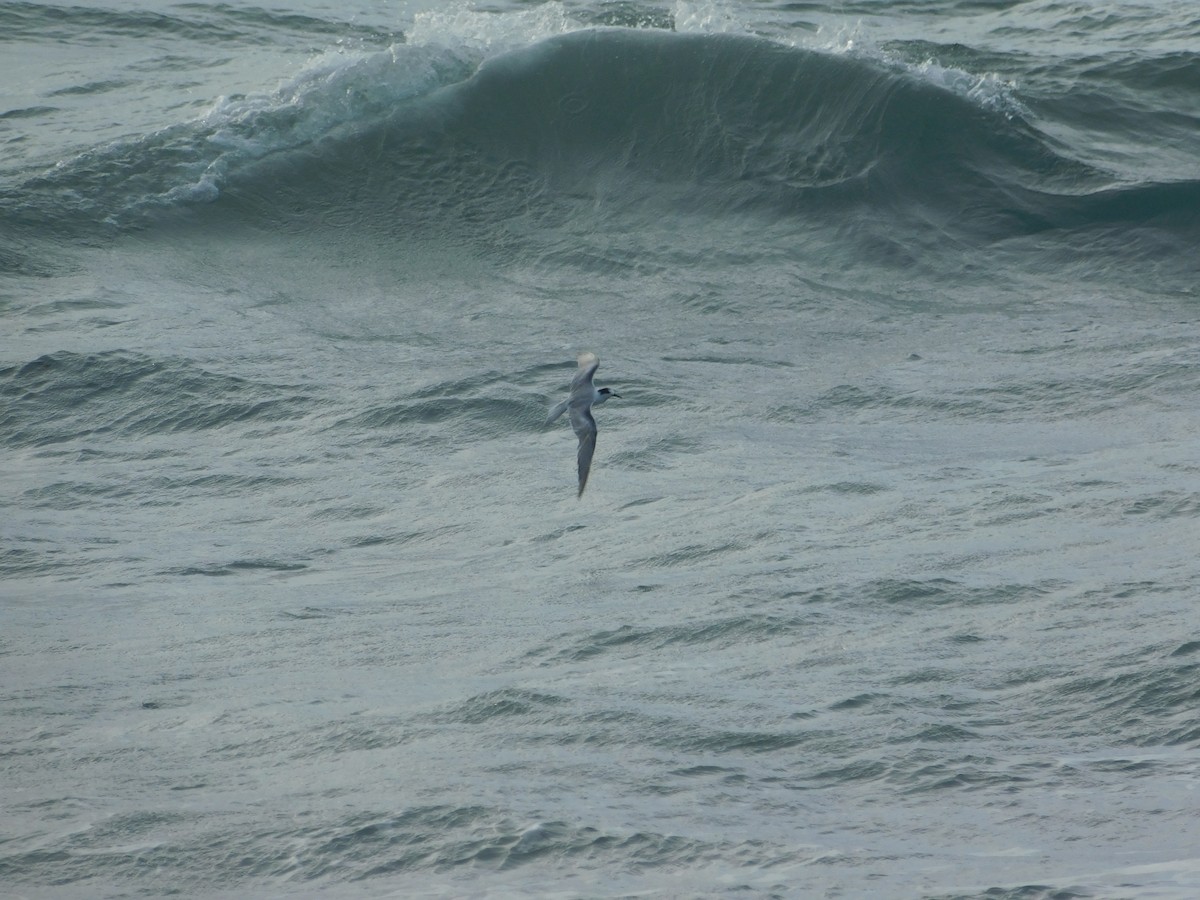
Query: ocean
point(885, 580)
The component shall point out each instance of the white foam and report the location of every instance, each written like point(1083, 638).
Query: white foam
point(987, 89)
point(707, 17)
point(461, 27)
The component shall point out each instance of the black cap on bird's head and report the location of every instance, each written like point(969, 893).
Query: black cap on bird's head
point(608, 392)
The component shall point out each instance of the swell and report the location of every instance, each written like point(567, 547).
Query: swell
point(217, 23)
point(432, 841)
point(64, 397)
point(711, 123)
point(636, 123)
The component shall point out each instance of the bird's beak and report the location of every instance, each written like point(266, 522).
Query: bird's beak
point(615, 394)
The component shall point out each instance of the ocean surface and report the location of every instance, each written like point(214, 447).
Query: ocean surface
point(886, 580)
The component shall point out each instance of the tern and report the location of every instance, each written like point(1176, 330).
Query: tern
point(584, 395)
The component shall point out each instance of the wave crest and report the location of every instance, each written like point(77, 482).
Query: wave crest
point(468, 122)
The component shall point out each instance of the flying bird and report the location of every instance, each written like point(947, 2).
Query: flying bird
point(584, 395)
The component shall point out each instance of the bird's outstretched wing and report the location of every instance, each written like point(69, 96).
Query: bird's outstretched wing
point(585, 430)
point(557, 410)
point(588, 364)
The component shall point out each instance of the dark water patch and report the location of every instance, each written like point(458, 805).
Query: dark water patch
point(1165, 505)
point(814, 595)
point(73, 495)
point(1013, 508)
point(1021, 892)
point(96, 303)
point(859, 701)
point(21, 255)
point(267, 564)
point(1162, 72)
point(237, 567)
point(499, 844)
point(938, 734)
point(968, 773)
point(503, 704)
point(658, 454)
point(155, 491)
point(29, 112)
point(92, 87)
point(591, 847)
point(867, 397)
point(310, 613)
point(21, 561)
point(350, 513)
point(699, 740)
point(416, 420)
point(968, 639)
point(532, 720)
point(218, 24)
point(864, 488)
point(1122, 102)
point(557, 534)
point(261, 24)
point(851, 772)
point(1132, 590)
point(687, 556)
point(469, 406)
point(332, 739)
point(417, 838)
point(69, 396)
point(713, 633)
point(454, 388)
point(402, 538)
point(112, 847)
point(705, 771)
point(1021, 676)
point(1125, 766)
point(601, 642)
point(936, 592)
point(732, 361)
point(126, 849)
point(167, 490)
point(925, 675)
point(45, 558)
point(200, 415)
point(1152, 704)
point(1015, 397)
point(177, 701)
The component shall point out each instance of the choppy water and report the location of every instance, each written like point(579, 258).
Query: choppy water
point(885, 581)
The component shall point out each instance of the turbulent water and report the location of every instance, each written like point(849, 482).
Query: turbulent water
point(885, 580)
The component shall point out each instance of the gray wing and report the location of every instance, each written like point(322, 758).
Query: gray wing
point(557, 410)
point(585, 430)
point(581, 385)
point(582, 382)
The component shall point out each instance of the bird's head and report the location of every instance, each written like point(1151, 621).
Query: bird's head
point(605, 393)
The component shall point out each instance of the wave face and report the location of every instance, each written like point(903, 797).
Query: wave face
point(624, 126)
